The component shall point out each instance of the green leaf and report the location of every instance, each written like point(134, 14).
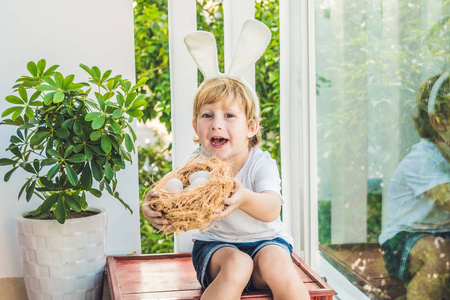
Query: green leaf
point(34, 96)
point(95, 135)
point(86, 177)
point(88, 153)
point(77, 128)
point(77, 158)
point(138, 103)
point(9, 111)
point(69, 150)
point(117, 113)
point(6, 161)
point(31, 66)
point(41, 66)
point(53, 152)
point(136, 113)
point(50, 81)
point(60, 211)
point(59, 79)
point(98, 123)
point(95, 192)
point(96, 72)
point(46, 183)
point(106, 143)
point(53, 171)
point(48, 98)
point(48, 161)
point(129, 143)
point(74, 86)
point(96, 171)
point(44, 87)
point(23, 94)
point(82, 200)
point(120, 99)
point(73, 178)
point(17, 112)
point(14, 100)
point(62, 133)
point(30, 191)
point(50, 70)
point(130, 98)
point(38, 138)
point(106, 75)
point(9, 173)
point(115, 126)
point(59, 97)
point(67, 81)
point(29, 112)
point(92, 116)
point(73, 204)
point(108, 172)
point(49, 202)
point(142, 81)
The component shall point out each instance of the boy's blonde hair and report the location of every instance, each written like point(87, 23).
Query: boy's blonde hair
point(217, 89)
point(441, 108)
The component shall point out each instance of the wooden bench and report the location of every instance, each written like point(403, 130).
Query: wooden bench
point(172, 276)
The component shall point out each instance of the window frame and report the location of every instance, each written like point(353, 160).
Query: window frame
point(298, 139)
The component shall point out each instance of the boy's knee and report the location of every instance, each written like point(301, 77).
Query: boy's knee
point(232, 265)
point(273, 261)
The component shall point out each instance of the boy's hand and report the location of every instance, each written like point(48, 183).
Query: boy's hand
point(155, 217)
point(232, 203)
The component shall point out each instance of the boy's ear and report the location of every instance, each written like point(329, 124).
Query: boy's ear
point(252, 129)
point(194, 124)
point(435, 122)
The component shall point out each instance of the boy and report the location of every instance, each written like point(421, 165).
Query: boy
point(247, 248)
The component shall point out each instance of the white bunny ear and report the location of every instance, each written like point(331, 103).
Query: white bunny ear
point(202, 47)
point(253, 41)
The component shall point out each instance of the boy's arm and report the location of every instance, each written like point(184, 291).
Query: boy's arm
point(264, 206)
point(441, 195)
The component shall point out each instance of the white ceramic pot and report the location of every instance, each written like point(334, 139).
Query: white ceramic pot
point(63, 261)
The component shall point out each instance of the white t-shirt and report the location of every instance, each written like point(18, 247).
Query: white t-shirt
point(259, 173)
point(408, 206)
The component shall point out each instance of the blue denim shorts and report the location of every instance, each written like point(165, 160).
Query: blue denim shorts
point(397, 249)
point(203, 251)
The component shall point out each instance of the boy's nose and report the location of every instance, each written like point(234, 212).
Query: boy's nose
point(216, 124)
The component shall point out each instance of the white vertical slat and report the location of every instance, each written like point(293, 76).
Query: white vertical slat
point(183, 84)
point(297, 124)
point(235, 13)
point(290, 93)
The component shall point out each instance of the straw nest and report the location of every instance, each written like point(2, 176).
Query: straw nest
point(194, 208)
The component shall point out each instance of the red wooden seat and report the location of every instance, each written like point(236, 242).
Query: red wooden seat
point(172, 276)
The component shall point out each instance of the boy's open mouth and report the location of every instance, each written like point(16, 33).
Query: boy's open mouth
point(218, 141)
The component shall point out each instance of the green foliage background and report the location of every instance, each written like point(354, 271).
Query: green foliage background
point(152, 61)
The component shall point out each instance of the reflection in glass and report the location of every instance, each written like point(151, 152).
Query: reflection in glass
point(371, 58)
point(416, 236)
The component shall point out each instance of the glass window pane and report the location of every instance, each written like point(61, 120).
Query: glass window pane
point(381, 180)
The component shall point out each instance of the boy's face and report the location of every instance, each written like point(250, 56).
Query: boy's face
point(223, 130)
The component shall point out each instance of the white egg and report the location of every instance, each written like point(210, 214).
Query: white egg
point(199, 181)
point(198, 174)
point(174, 185)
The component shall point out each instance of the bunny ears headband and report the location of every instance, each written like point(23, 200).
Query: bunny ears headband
point(434, 90)
point(252, 42)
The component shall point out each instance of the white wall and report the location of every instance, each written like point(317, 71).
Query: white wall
point(66, 33)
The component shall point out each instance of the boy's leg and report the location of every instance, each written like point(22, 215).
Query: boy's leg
point(429, 262)
point(229, 271)
point(273, 268)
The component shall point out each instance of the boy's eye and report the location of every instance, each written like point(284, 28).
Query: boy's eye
point(206, 116)
point(229, 115)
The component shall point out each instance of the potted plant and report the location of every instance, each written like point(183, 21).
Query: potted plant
point(72, 139)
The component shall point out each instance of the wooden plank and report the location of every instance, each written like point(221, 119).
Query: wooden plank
point(172, 276)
